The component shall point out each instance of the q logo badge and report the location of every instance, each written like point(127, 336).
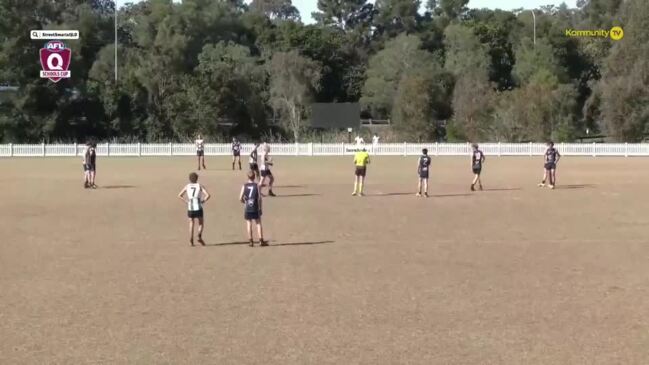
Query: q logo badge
point(55, 61)
point(617, 33)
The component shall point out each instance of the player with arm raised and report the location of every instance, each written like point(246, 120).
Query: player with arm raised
point(194, 195)
point(250, 196)
point(423, 166)
point(551, 159)
point(477, 159)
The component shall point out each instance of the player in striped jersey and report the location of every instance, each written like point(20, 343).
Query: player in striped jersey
point(200, 151)
point(194, 195)
point(266, 174)
point(85, 157)
point(250, 196)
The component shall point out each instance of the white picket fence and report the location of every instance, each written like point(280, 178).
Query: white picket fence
point(328, 149)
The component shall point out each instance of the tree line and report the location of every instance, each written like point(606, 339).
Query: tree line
point(227, 68)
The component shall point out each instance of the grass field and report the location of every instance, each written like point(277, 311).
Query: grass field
point(511, 275)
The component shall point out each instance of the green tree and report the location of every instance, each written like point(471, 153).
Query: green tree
point(624, 86)
point(400, 57)
point(293, 81)
point(468, 61)
point(276, 9)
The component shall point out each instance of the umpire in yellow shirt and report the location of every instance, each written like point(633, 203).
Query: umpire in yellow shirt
point(361, 159)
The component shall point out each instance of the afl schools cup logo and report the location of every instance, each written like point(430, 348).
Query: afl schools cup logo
point(55, 61)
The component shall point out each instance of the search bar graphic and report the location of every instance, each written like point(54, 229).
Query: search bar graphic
point(54, 34)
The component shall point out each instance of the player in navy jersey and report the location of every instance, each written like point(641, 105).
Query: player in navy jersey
point(423, 166)
point(93, 165)
point(477, 159)
point(250, 196)
point(551, 159)
point(254, 166)
point(194, 195)
point(236, 152)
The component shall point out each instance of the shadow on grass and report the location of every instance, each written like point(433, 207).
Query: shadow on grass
point(449, 195)
point(301, 243)
point(388, 194)
point(118, 187)
point(291, 195)
point(578, 186)
point(236, 243)
point(502, 189)
point(226, 244)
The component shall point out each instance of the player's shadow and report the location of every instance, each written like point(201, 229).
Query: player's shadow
point(293, 195)
point(449, 195)
point(226, 244)
point(388, 194)
point(577, 186)
point(300, 243)
point(503, 189)
point(118, 187)
point(236, 243)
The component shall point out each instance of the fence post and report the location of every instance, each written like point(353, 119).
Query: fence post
point(171, 149)
point(139, 149)
point(107, 149)
point(626, 149)
point(297, 149)
point(76, 149)
point(43, 148)
point(499, 151)
point(594, 154)
point(310, 148)
point(436, 149)
point(11, 150)
point(405, 148)
point(530, 149)
point(342, 146)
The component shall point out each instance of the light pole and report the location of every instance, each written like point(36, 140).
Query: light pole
point(534, 21)
point(115, 41)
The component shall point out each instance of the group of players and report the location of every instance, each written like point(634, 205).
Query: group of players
point(259, 176)
point(362, 159)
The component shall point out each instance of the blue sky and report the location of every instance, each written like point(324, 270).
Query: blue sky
point(306, 7)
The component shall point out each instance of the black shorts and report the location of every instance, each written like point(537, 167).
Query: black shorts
point(265, 173)
point(250, 215)
point(423, 174)
point(200, 153)
point(195, 213)
point(254, 167)
point(550, 165)
point(236, 153)
point(477, 169)
point(89, 167)
point(361, 171)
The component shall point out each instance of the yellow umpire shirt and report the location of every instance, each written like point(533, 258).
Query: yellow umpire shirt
point(361, 158)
